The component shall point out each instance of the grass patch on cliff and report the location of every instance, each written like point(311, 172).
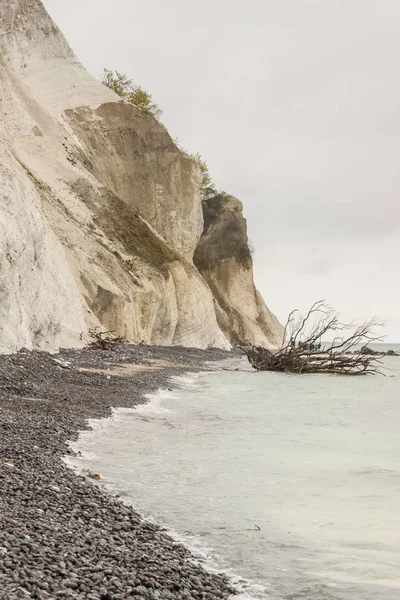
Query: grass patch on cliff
point(121, 224)
point(45, 192)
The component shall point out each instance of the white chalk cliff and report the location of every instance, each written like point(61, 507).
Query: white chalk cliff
point(100, 212)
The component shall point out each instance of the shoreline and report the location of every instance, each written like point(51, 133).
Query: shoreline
point(61, 535)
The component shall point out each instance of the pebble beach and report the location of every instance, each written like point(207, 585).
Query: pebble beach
point(61, 534)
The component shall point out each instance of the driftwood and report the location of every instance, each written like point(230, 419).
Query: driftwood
point(102, 340)
point(303, 349)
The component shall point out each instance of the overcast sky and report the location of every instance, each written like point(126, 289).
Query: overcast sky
point(295, 104)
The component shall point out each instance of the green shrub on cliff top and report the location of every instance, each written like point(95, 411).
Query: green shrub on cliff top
point(206, 185)
point(126, 89)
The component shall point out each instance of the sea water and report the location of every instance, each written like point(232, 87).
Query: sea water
point(289, 483)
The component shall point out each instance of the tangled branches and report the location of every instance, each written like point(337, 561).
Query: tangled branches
point(303, 349)
point(103, 340)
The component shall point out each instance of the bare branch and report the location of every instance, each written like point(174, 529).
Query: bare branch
point(309, 356)
point(103, 340)
point(289, 320)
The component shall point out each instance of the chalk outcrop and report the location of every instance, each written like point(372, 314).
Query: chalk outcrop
point(224, 259)
point(100, 213)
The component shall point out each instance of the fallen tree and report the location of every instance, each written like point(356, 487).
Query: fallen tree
point(304, 351)
point(102, 340)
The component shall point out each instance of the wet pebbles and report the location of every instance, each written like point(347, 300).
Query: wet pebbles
point(61, 535)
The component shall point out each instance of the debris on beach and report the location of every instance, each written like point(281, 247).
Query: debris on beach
point(92, 474)
point(303, 349)
point(102, 340)
point(63, 364)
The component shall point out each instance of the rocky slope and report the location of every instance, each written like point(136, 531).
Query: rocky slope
point(100, 213)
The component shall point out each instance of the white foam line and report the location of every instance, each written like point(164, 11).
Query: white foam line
point(206, 558)
point(201, 554)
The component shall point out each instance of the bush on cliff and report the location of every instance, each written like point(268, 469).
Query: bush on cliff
point(206, 184)
point(125, 88)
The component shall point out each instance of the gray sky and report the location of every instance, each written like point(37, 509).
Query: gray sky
point(295, 104)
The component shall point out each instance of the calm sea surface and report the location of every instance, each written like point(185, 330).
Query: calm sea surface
point(313, 461)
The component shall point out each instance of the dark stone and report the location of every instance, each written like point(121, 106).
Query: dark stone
point(52, 536)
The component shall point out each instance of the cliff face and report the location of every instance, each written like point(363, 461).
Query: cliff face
point(224, 259)
point(100, 212)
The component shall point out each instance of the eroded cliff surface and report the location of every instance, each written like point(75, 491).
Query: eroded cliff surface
point(224, 259)
point(100, 212)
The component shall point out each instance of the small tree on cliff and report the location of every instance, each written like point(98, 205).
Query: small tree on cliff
point(206, 183)
point(126, 89)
